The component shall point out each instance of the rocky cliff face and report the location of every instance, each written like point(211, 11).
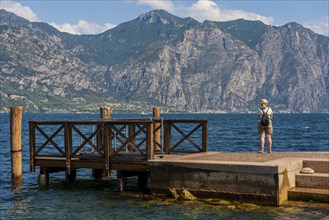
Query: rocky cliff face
point(169, 61)
point(296, 63)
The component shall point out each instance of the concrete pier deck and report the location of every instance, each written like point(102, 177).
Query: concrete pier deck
point(247, 156)
point(260, 178)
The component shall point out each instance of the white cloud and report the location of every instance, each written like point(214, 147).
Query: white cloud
point(209, 10)
point(204, 10)
point(20, 10)
point(320, 27)
point(158, 4)
point(83, 27)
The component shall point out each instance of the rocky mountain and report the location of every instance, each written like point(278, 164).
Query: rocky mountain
point(160, 59)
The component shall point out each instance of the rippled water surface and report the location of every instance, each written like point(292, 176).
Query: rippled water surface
point(90, 199)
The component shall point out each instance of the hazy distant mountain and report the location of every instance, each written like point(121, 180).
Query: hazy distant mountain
point(161, 59)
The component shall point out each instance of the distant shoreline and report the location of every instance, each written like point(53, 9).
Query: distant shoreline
point(178, 112)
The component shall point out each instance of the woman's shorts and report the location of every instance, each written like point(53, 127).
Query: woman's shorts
point(267, 129)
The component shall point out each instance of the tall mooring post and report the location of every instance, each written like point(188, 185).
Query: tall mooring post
point(16, 144)
point(105, 112)
point(157, 134)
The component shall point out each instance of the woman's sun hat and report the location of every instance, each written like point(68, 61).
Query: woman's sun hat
point(264, 102)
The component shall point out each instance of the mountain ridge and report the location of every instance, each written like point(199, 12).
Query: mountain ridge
point(161, 59)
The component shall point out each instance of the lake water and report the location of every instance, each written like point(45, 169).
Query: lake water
point(90, 199)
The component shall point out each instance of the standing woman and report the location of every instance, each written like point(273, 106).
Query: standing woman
point(265, 130)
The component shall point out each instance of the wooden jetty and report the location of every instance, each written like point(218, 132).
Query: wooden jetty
point(125, 145)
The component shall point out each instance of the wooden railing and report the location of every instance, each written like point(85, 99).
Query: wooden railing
point(176, 133)
point(111, 140)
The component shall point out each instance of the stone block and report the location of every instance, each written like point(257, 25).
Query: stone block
point(314, 181)
point(318, 165)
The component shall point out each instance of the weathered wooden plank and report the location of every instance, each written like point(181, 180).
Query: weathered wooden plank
point(92, 164)
point(47, 162)
point(75, 163)
point(97, 121)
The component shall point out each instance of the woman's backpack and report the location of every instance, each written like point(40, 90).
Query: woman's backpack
point(265, 119)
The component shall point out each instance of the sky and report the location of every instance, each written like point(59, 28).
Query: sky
point(93, 17)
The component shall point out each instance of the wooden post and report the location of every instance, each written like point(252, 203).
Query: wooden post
point(142, 180)
point(131, 133)
point(167, 137)
point(105, 111)
point(16, 144)
point(43, 177)
point(107, 151)
point(157, 134)
point(70, 176)
point(205, 136)
point(149, 141)
point(121, 181)
point(32, 145)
